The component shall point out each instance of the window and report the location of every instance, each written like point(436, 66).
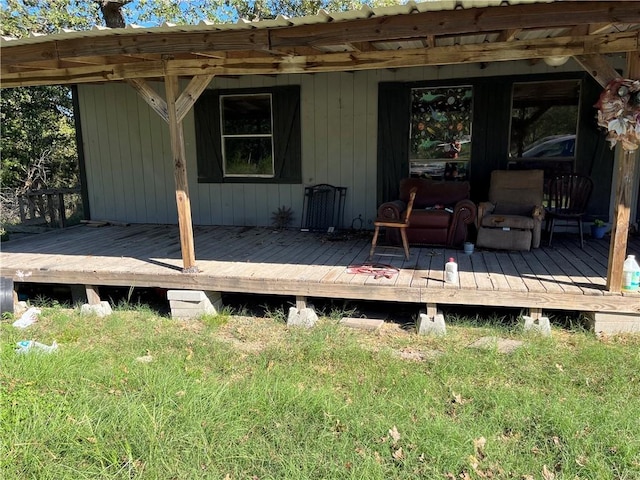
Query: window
point(247, 140)
point(249, 135)
point(440, 132)
point(544, 122)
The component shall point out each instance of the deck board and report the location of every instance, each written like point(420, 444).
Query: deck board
point(261, 260)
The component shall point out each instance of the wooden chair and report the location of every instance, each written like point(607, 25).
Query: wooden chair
point(568, 199)
point(401, 223)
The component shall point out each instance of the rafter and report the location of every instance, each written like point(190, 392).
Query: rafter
point(508, 35)
point(374, 29)
point(342, 61)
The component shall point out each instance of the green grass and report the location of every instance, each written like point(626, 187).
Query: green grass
point(231, 397)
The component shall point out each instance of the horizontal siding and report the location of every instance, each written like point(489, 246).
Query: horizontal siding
point(128, 154)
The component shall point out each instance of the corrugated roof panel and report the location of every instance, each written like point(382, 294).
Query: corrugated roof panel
point(430, 6)
point(399, 45)
point(538, 34)
point(364, 12)
point(321, 17)
point(336, 48)
point(392, 10)
point(480, 3)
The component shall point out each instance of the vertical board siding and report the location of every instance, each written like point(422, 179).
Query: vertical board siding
point(128, 155)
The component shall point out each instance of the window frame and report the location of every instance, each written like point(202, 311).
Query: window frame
point(224, 137)
point(286, 131)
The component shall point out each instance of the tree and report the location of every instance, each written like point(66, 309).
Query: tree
point(38, 121)
point(112, 12)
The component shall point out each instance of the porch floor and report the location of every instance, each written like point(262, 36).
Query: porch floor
point(304, 264)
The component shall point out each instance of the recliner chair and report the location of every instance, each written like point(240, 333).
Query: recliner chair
point(512, 218)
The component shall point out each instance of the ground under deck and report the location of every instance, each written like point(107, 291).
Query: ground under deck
point(304, 264)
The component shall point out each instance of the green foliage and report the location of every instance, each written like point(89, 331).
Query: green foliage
point(20, 18)
point(38, 122)
point(267, 9)
point(134, 395)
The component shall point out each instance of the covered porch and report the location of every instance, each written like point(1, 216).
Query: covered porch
point(306, 265)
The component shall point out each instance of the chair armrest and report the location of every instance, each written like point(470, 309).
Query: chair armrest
point(484, 208)
point(538, 212)
point(391, 210)
point(464, 213)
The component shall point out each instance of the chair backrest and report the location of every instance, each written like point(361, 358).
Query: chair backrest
point(522, 187)
point(570, 194)
point(412, 197)
point(431, 192)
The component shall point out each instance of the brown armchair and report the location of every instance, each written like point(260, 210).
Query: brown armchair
point(512, 218)
point(441, 212)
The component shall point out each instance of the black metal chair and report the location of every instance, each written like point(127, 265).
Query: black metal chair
point(568, 199)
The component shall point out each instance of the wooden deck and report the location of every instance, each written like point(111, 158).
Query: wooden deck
point(303, 264)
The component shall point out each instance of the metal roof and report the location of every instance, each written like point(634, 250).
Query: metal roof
point(415, 33)
point(322, 16)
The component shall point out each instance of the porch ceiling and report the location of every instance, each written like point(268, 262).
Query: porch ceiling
point(414, 34)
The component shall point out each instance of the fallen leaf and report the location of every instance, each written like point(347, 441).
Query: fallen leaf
point(189, 354)
point(393, 433)
point(559, 367)
point(93, 440)
point(398, 454)
point(547, 474)
point(478, 446)
point(581, 460)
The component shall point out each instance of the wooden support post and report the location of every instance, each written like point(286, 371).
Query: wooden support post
point(62, 214)
point(93, 297)
point(173, 110)
point(535, 313)
point(301, 302)
point(623, 185)
point(432, 310)
point(180, 174)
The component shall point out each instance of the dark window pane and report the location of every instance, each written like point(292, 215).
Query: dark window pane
point(248, 156)
point(246, 114)
point(544, 119)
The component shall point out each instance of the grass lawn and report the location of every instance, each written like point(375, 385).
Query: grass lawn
point(140, 396)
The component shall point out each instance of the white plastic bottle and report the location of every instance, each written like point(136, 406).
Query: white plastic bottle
point(451, 271)
point(630, 275)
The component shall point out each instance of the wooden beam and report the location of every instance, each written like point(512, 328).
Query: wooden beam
point(373, 29)
point(150, 96)
point(623, 178)
point(508, 35)
point(180, 174)
point(598, 67)
point(188, 98)
point(335, 62)
point(598, 28)
point(457, 22)
point(362, 46)
point(93, 296)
